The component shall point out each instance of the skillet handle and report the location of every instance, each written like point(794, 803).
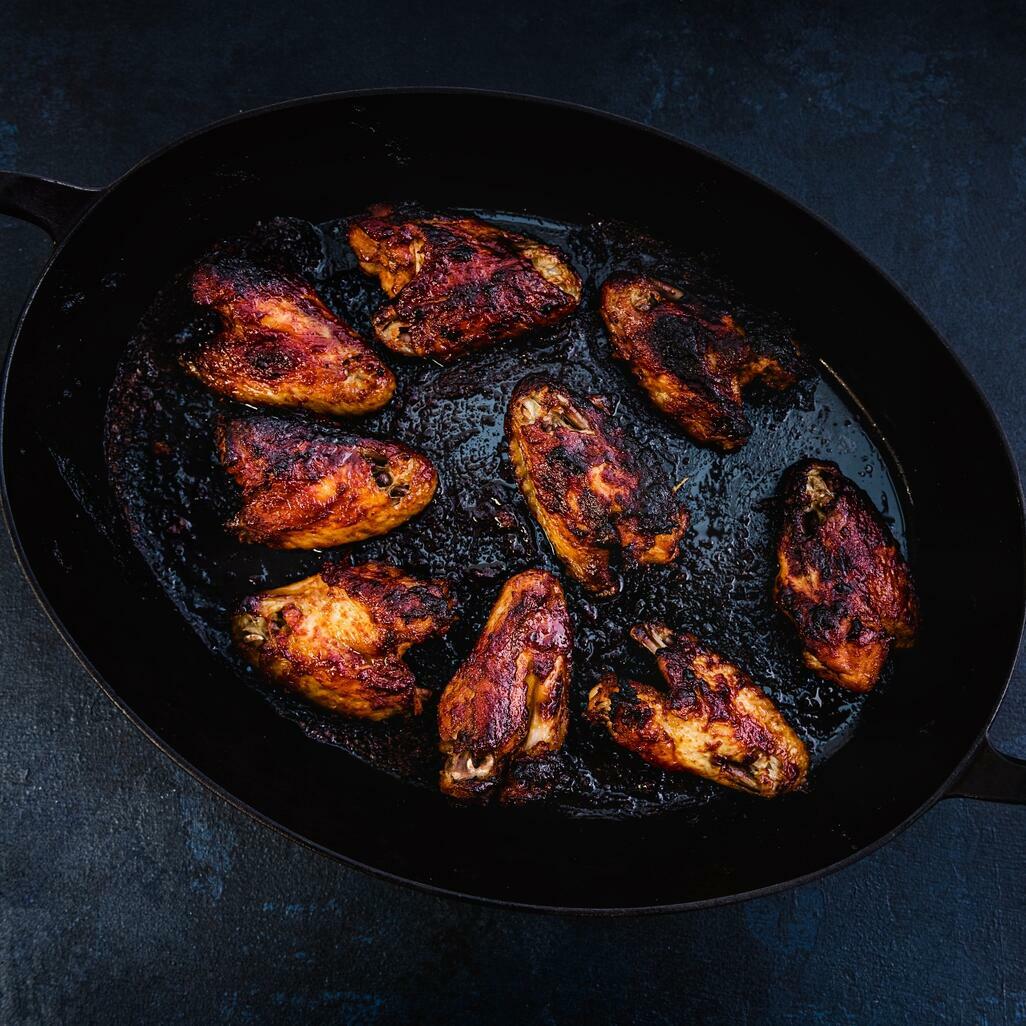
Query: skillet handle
point(53, 206)
point(992, 777)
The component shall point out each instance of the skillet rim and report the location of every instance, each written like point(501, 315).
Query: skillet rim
point(90, 207)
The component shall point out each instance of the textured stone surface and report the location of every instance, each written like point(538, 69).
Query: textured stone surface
point(128, 893)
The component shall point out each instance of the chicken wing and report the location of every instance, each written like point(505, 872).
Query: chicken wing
point(503, 717)
point(712, 721)
point(584, 487)
point(457, 284)
point(279, 345)
point(339, 637)
point(841, 578)
point(310, 486)
point(692, 361)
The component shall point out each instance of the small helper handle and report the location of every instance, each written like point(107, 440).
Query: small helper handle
point(53, 206)
point(992, 777)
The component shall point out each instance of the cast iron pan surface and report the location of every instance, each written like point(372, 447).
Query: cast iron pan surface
point(889, 403)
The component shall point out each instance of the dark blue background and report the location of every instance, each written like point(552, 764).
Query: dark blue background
point(130, 894)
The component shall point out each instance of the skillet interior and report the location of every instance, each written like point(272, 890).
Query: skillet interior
point(177, 498)
point(471, 150)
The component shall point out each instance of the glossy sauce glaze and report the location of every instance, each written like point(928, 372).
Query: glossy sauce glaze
point(477, 531)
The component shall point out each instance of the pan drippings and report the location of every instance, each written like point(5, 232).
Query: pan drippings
point(477, 531)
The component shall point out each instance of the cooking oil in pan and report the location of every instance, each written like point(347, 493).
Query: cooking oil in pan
point(477, 532)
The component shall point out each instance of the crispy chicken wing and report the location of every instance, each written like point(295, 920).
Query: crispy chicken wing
point(503, 717)
point(309, 486)
point(694, 362)
point(584, 487)
point(339, 637)
point(841, 579)
point(279, 345)
point(712, 720)
point(457, 284)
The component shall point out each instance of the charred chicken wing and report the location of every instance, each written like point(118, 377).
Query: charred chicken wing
point(712, 720)
point(339, 637)
point(841, 579)
point(503, 717)
point(279, 345)
point(693, 362)
point(457, 284)
point(584, 487)
point(310, 486)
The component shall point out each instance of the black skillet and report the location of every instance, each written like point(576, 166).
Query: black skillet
point(924, 739)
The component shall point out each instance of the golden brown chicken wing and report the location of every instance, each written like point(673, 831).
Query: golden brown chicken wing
point(841, 578)
point(712, 720)
point(457, 284)
point(279, 345)
point(339, 637)
point(694, 362)
point(309, 486)
point(584, 487)
point(503, 717)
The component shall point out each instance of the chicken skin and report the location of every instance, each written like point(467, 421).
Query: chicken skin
point(712, 720)
point(503, 717)
point(841, 578)
point(692, 361)
point(585, 488)
point(310, 486)
point(279, 345)
point(339, 637)
point(456, 284)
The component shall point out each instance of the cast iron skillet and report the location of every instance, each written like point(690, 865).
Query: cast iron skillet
point(117, 246)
